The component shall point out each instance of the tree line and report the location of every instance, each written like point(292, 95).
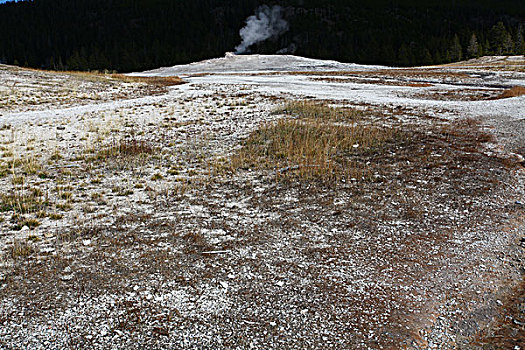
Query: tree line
point(132, 35)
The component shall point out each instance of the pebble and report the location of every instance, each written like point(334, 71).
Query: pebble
point(67, 277)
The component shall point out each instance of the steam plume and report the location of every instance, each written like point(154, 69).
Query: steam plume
point(266, 23)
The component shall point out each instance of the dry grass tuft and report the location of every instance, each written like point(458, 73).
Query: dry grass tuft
point(23, 202)
point(126, 148)
point(124, 153)
point(20, 249)
point(515, 91)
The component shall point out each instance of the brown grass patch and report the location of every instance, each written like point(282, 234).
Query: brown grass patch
point(419, 85)
point(514, 91)
point(312, 147)
point(102, 77)
point(157, 81)
point(459, 94)
point(371, 81)
point(427, 73)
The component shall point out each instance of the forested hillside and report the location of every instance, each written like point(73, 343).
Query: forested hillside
point(130, 35)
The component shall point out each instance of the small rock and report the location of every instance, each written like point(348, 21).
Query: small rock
point(161, 331)
point(518, 322)
point(86, 242)
point(67, 277)
point(224, 284)
point(67, 269)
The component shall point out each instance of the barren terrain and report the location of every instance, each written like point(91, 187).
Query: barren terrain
point(265, 202)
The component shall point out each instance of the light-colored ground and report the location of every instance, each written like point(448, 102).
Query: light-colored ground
point(173, 249)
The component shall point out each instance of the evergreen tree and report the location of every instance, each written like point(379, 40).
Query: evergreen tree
point(74, 62)
point(520, 42)
point(403, 58)
point(508, 44)
point(426, 57)
point(456, 51)
point(498, 36)
point(473, 49)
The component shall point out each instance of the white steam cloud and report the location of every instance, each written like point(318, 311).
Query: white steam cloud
point(267, 22)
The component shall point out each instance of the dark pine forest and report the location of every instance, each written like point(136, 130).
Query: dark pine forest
point(131, 35)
